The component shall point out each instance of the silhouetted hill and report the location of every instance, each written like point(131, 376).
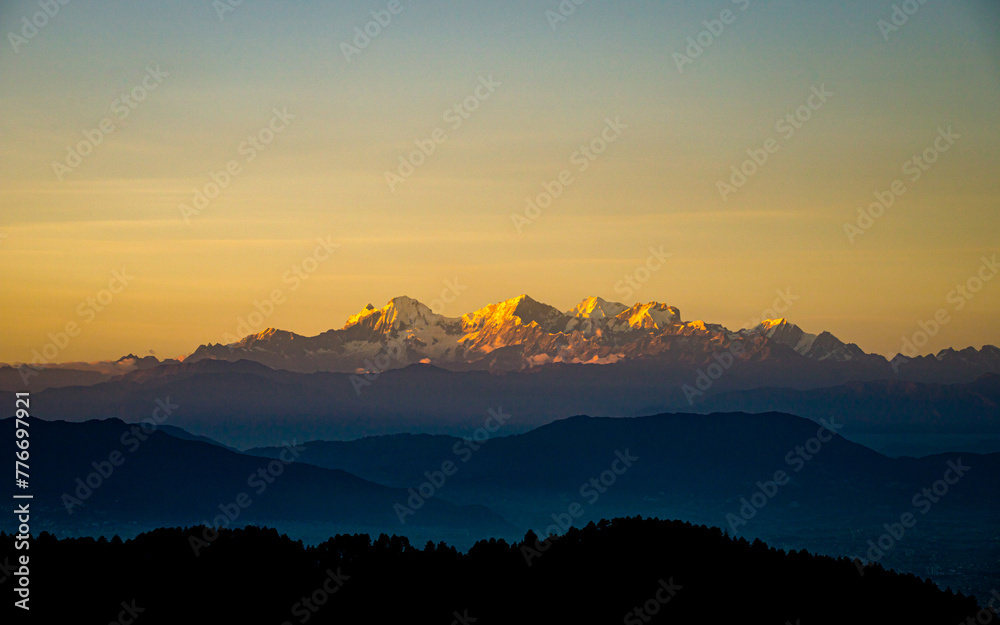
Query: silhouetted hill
point(13, 379)
point(131, 479)
point(246, 404)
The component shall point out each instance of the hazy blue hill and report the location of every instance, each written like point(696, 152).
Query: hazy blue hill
point(167, 480)
point(246, 404)
point(709, 459)
point(904, 418)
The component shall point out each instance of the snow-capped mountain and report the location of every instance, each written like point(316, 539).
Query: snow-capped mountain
point(824, 346)
point(520, 333)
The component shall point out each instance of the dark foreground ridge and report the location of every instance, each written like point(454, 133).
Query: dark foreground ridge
point(628, 570)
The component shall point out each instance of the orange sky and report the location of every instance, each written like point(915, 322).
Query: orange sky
point(506, 108)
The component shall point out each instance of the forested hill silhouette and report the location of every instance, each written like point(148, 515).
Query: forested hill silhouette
point(630, 570)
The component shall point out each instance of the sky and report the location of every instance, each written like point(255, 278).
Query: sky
point(167, 169)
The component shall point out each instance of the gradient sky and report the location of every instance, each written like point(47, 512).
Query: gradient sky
point(324, 175)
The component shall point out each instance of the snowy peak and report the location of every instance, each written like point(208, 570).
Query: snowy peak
point(518, 311)
point(406, 312)
point(651, 316)
point(401, 313)
point(823, 346)
point(596, 308)
point(785, 333)
point(267, 336)
point(355, 319)
point(771, 325)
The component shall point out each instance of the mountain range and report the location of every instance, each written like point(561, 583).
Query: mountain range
point(522, 334)
point(403, 368)
point(517, 334)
